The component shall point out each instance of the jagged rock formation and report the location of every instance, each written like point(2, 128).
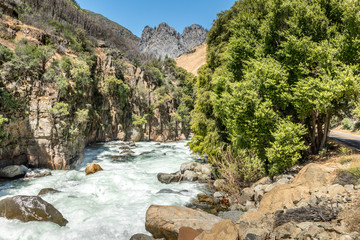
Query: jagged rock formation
point(164, 40)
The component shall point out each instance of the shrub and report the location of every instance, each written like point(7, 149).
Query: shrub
point(286, 147)
point(239, 169)
point(2, 132)
point(139, 121)
point(82, 116)
point(347, 124)
point(344, 151)
point(60, 109)
point(5, 54)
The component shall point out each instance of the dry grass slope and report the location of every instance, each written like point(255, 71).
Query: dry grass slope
point(191, 62)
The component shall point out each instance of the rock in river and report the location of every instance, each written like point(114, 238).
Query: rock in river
point(47, 190)
point(166, 221)
point(30, 208)
point(168, 177)
point(92, 168)
point(13, 171)
point(37, 173)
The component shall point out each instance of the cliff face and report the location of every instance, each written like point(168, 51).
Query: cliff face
point(164, 41)
point(49, 128)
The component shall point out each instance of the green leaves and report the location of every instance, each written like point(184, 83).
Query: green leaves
point(285, 149)
point(277, 71)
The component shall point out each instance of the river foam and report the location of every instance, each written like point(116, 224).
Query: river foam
point(110, 204)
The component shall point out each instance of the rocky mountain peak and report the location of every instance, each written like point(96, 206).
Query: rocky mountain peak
point(164, 40)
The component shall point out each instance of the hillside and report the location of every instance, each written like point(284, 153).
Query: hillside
point(193, 60)
point(164, 40)
point(115, 27)
point(55, 16)
point(61, 89)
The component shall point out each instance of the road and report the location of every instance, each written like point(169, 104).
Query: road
point(346, 138)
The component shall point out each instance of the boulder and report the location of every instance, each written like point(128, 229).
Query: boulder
point(247, 194)
point(141, 237)
point(224, 230)
point(92, 168)
point(286, 231)
point(335, 189)
point(232, 215)
point(189, 176)
point(45, 191)
point(189, 166)
point(30, 208)
point(168, 177)
point(311, 178)
point(38, 173)
point(186, 233)
point(14, 171)
point(166, 221)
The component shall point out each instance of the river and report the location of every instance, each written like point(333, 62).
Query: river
point(110, 204)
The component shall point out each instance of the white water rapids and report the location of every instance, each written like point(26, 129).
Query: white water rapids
point(110, 204)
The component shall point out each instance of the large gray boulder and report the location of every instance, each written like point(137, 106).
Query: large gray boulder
point(168, 177)
point(14, 171)
point(30, 208)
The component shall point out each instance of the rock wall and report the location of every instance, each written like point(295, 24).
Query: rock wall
point(164, 40)
point(34, 137)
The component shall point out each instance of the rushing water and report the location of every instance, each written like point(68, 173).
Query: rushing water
point(110, 204)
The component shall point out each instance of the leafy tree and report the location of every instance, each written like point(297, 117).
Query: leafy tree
point(277, 71)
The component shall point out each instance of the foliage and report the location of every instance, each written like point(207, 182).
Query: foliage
point(81, 116)
point(29, 60)
point(139, 120)
point(344, 151)
point(277, 71)
point(115, 86)
point(5, 54)
point(285, 150)
point(347, 124)
point(238, 169)
point(8, 104)
point(60, 109)
point(2, 132)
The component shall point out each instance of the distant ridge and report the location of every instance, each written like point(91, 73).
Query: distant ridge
point(115, 27)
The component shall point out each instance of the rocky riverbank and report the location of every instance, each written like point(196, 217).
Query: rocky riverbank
point(321, 201)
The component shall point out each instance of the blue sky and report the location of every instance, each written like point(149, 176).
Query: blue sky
point(136, 14)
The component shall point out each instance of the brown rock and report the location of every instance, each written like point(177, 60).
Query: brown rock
point(92, 168)
point(166, 221)
point(30, 208)
point(224, 230)
point(310, 178)
point(47, 190)
point(186, 233)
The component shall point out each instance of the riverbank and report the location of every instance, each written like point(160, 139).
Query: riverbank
point(110, 204)
point(318, 201)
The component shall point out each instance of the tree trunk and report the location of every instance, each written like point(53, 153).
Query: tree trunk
point(326, 131)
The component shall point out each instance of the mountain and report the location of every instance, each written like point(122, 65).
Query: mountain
point(164, 40)
point(193, 60)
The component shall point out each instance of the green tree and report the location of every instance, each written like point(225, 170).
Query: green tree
point(277, 71)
